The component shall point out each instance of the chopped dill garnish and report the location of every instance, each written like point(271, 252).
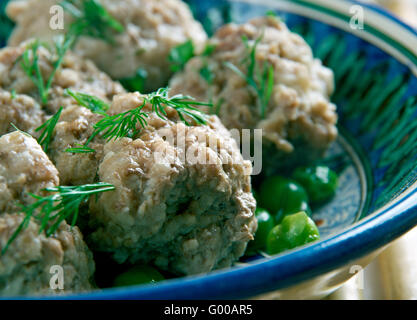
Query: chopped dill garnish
point(13, 94)
point(47, 130)
point(180, 55)
point(120, 125)
point(137, 82)
point(62, 204)
point(80, 149)
point(207, 74)
point(90, 102)
point(183, 105)
point(92, 19)
point(30, 64)
point(208, 50)
point(218, 106)
point(125, 124)
point(21, 131)
point(261, 79)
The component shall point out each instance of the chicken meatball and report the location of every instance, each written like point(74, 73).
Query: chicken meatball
point(21, 111)
point(151, 29)
point(24, 168)
point(183, 196)
point(287, 94)
point(26, 266)
point(74, 128)
point(75, 73)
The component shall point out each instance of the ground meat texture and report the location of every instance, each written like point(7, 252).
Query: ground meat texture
point(20, 110)
point(152, 29)
point(24, 167)
point(25, 267)
point(75, 73)
point(299, 122)
point(179, 214)
point(73, 129)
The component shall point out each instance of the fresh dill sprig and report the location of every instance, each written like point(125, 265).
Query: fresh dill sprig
point(261, 79)
point(90, 102)
point(120, 125)
point(62, 204)
point(47, 130)
point(80, 149)
point(21, 131)
point(183, 105)
point(30, 64)
point(125, 124)
point(92, 19)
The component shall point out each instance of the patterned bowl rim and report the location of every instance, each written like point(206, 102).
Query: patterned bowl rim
point(398, 39)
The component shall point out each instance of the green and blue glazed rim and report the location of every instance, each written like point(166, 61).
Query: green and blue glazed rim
point(393, 212)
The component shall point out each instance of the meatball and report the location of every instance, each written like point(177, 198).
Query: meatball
point(169, 208)
point(24, 167)
point(151, 29)
point(21, 111)
point(25, 268)
point(74, 128)
point(75, 73)
point(299, 122)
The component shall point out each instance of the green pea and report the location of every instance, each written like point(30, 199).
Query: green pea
point(294, 231)
point(265, 225)
point(294, 208)
point(138, 275)
point(320, 182)
point(282, 196)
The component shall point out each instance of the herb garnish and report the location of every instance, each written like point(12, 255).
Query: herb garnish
point(21, 131)
point(90, 102)
point(125, 124)
point(137, 82)
point(64, 203)
point(180, 55)
point(261, 79)
point(47, 130)
point(92, 20)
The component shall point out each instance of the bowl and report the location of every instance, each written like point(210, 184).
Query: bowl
point(374, 58)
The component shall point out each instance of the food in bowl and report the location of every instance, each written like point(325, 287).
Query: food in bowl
point(127, 177)
point(144, 33)
point(260, 75)
point(25, 266)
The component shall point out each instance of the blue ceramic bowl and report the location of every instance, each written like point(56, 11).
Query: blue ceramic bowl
point(375, 67)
